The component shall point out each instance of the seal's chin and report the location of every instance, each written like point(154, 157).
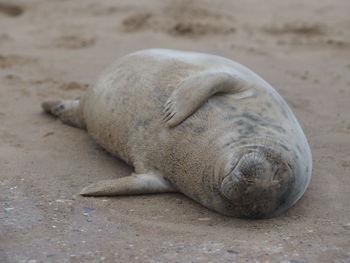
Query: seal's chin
point(260, 185)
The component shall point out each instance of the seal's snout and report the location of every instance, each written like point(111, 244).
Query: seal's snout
point(259, 185)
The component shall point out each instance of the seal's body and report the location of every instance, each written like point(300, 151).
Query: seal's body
point(199, 124)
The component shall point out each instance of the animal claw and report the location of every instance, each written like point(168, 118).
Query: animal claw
point(166, 115)
point(168, 101)
point(169, 117)
point(167, 108)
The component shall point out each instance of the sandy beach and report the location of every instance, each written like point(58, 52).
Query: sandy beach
point(57, 49)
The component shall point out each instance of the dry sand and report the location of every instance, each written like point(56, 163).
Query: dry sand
point(57, 48)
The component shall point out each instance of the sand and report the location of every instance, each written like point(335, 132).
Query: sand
point(56, 49)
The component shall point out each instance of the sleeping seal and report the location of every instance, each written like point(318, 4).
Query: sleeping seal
point(198, 124)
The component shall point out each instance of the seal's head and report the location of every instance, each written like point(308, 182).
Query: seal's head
point(260, 183)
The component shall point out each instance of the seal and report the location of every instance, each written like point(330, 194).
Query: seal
point(198, 124)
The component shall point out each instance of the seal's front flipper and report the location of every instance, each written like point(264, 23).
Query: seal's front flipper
point(195, 91)
point(129, 185)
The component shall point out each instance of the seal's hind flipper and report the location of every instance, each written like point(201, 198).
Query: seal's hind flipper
point(129, 185)
point(195, 91)
point(68, 111)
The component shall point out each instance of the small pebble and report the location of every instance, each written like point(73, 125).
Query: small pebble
point(48, 134)
point(204, 218)
point(88, 209)
point(63, 201)
point(40, 218)
point(231, 251)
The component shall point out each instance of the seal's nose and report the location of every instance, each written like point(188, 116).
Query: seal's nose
point(258, 185)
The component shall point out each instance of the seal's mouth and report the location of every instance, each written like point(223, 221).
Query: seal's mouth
point(260, 182)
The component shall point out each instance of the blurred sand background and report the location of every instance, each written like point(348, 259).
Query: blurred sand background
point(57, 48)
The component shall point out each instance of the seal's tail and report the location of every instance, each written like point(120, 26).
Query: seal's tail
point(68, 111)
